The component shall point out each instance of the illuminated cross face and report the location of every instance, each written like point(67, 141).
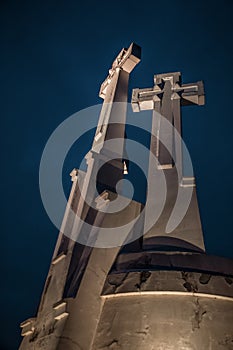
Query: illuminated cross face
point(166, 98)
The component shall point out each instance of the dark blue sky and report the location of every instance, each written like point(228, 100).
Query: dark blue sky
point(54, 56)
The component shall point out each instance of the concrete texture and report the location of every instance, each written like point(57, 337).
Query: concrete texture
point(159, 292)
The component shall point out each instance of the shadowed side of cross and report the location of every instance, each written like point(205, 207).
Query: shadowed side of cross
point(180, 217)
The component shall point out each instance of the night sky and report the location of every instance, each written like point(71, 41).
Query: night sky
point(54, 56)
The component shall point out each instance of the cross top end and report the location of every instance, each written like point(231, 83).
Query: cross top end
point(174, 78)
point(126, 60)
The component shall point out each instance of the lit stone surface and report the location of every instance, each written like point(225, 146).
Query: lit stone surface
point(152, 322)
point(160, 292)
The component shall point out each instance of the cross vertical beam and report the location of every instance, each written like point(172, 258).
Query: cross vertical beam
point(115, 89)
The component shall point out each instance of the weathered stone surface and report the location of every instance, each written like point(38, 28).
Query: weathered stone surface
point(136, 298)
point(174, 281)
point(142, 322)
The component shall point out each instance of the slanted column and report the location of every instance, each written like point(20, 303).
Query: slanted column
point(102, 173)
point(64, 241)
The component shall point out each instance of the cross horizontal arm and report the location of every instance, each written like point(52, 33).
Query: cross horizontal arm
point(193, 94)
point(189, 94)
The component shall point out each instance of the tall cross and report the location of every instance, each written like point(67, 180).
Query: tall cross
point(165, 99)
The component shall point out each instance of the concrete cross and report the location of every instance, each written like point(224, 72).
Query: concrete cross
point(165, 99)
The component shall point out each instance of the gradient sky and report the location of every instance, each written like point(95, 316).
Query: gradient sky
point(54, 56)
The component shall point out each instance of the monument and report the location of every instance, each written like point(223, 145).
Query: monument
point(159, 291)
